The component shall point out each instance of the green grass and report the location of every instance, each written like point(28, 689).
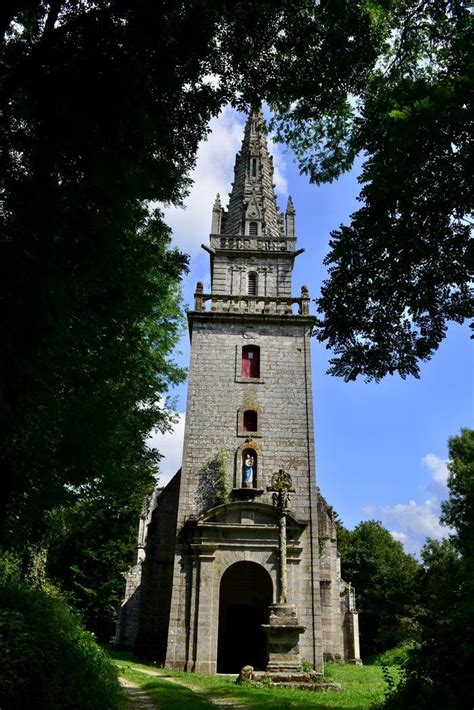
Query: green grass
point(363, 687)
point(167, 695)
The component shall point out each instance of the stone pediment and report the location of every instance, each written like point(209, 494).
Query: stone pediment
point(246, 513)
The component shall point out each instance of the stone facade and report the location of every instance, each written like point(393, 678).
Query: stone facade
point(211, 575)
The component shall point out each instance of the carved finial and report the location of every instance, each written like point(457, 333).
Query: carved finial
point(304, 308)
point(198, 297)
point(290, 218)
point(217, 213)
point(281, 481)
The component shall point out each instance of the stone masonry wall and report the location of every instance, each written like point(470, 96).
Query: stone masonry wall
point(282, 396)
point(333, 643)
point(157, 571)
point(274, 275)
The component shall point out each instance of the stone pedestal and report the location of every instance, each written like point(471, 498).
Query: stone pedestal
point(283, 634)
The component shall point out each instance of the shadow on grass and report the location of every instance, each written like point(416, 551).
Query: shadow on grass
point(170, 696)
point(363, 688)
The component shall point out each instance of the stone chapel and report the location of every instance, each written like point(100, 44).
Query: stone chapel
point(237, 558)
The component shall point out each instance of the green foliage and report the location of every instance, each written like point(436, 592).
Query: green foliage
point(88, 559)
point(458, 510)
point(439, 669)
point(89, 296)
point(10, 567)
point(400, 271)
point(48, 660)
point(385, 580)
point(397, 656)
point(103, 107)
point(213, 488)
point(392, 681)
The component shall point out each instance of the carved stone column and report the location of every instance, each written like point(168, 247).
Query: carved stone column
point(283, 630)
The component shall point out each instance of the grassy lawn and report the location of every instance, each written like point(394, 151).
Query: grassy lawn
point(363, 687)
point(168, 696)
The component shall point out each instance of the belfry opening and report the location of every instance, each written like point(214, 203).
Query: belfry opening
point(245, 594)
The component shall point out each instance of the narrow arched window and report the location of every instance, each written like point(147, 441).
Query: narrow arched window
point(250, 420)
point(253, 167)
point(253, 229)
point(252, 284)
point(250, 361)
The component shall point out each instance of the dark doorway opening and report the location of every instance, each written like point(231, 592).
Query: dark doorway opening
point(246, 591)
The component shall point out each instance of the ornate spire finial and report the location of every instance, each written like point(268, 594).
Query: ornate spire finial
point(216, 223)
point(252, 205)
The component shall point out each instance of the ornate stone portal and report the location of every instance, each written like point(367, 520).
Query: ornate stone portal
point(233, 577)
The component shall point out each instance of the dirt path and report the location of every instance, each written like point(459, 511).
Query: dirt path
point(221, 703)
point(136, 697)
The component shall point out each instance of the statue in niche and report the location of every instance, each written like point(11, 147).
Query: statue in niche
point(248, 471)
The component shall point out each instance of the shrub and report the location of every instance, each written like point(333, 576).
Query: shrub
point(397, 656)
point(48, 660)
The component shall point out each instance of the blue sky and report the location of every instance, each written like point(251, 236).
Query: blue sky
point(380, 448)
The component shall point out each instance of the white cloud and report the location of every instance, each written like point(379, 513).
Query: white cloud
point(279, 166)
point(368, 509)
point(415, 522)
point(170, 445)
point(439, 467)
point(213, 174)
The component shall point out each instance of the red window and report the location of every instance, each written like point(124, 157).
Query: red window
point(250, 361)
point(250, 420)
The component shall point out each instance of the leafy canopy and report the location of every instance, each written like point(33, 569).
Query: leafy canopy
point(384, 576)
point(104, 105)
point(439, 670)
point(402, 269)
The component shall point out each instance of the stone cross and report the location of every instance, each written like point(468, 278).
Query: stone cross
point(281, 487)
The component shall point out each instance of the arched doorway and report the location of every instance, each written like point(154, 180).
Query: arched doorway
point(246, 591)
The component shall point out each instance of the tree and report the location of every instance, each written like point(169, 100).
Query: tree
point(104, 105)
point(385, 580)
point(458, 510)
point(439, 670)
point(90, 549)
point(402, 269)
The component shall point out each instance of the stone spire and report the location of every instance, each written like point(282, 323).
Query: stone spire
point(252, 206)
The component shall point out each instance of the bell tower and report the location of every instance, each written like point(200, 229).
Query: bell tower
point(252, 244)
point(232, 548)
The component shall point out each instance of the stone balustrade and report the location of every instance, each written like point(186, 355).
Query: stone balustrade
point(236, 303)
